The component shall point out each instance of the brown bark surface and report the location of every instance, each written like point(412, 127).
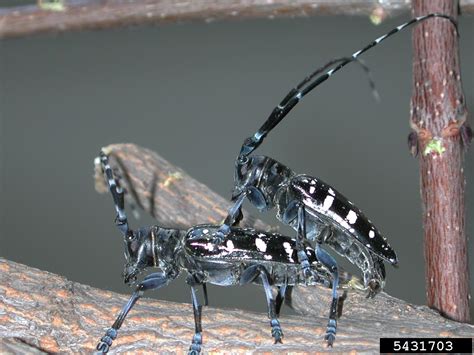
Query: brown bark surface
point(165, 191)
point(42, 312)
point(439, 120)
point(99, 14)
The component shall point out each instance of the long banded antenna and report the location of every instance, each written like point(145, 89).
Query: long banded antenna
point(117, 194)
point(312, 81)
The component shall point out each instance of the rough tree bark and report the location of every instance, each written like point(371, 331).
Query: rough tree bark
point(441, 132)
point(42, 313)
point(76, 15)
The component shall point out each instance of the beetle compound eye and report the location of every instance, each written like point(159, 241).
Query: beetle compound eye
point(243, 160)
point(257, 198)
point(276, 169)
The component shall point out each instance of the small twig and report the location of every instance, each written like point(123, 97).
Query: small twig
point(73, 15)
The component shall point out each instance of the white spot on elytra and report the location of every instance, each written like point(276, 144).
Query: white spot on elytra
point(261, 245)
point(313, 182)
point(209, 246)
point(289, 250)
point(312, 189)
point(230, 246)
point(367, 245)
point(331, 192)
point(261, 235)
point(267, 257)
point(351, 217)
point(328, 202)
point(371, 234)
point(205, 231)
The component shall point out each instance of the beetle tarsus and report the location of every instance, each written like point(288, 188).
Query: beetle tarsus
point(195, 348)
point(106, 341)
point(277, 332)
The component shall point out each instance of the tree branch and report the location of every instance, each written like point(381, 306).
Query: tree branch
point(42, 313)
point(100, 14)
point(439, 121)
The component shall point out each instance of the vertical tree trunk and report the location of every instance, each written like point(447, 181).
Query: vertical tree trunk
point(441, 132)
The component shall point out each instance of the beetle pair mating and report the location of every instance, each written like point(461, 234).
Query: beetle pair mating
point(228, 255)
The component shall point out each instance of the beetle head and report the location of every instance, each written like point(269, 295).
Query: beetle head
point(137, 246)
point(260, 177)
point(150, 247)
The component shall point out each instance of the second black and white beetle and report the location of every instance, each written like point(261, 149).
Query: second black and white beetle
point(245, 256)
point(312, 207)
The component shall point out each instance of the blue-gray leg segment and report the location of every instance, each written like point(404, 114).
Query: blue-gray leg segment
point(249, 275)
point(301, 237)
point(151, 282)
point(204, 291)
point(328, 261)
point(280, 298)
point(196, 344)
point(232, 216)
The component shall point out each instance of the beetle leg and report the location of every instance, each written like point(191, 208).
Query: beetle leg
point(196, 344)
point(280, 297)
point(198, 279)
point(300, 238)
point(249, 275)
point(204, 291)
point(234, 215)
point(151, 282)
point(325, 235)
point(327, 260)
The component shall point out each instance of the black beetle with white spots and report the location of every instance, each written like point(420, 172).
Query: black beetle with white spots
point(244, 256)
point(313, 208)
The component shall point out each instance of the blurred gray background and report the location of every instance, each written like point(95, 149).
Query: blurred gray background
point(193, 92)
